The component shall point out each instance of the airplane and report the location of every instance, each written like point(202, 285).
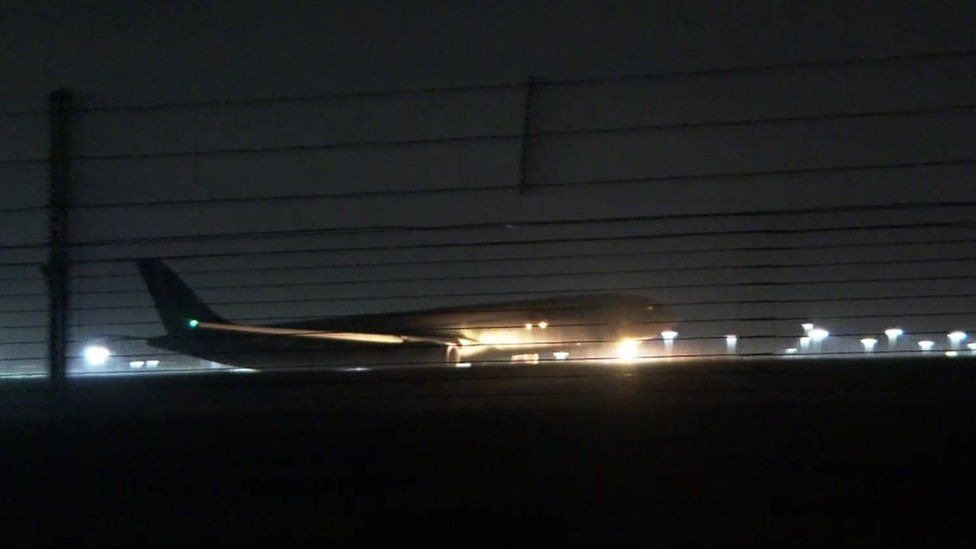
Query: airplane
point(576, 327)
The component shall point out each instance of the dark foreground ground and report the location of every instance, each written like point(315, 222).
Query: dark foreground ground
point(789, 453)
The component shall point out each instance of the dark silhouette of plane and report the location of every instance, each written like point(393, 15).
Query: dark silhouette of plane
point(609, 325)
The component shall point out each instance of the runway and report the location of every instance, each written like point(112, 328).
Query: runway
point(700, 452)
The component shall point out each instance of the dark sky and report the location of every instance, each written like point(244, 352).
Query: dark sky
point(119, 54)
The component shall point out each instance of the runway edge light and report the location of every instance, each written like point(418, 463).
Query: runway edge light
point(96, 355)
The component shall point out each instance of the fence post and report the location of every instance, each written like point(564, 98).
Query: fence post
point(526, 136)
point(57, 268)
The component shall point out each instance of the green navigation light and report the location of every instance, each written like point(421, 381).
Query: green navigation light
point(193, 323)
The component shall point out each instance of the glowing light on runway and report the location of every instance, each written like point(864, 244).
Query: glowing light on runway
point(543, 324)
point(804, 343)
point(817, 337)
point(560, 355)
point(151, 363)
point(952, 354)
point(96, 355)
point(627, 349)
point(528, 325)
point(730, 342)
point(971, 347)
point(463, 365)
point(956, 337)
point(893, 335)
point(807, 326)
point(525, 358)
point(819, 334)
point(869, 343)
point(926, 345)
point(791, 351)
point(668, 336)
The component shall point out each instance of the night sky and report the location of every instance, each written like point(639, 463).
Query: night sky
point(172, 108)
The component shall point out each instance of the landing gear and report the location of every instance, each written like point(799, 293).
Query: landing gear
point(452, 356)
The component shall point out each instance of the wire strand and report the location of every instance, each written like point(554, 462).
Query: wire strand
point(386, 229)
point(595, 291)
point(499, 276)
point(687, 320)
point(483, 137)
point(765, 67)
point(530, 345)
point(615, 360)
point(617, 272)
point(665, 252)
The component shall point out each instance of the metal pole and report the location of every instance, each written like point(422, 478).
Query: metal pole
point(526, 136)
point(56, 269)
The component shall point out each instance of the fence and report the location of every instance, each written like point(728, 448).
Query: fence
point(748, 200)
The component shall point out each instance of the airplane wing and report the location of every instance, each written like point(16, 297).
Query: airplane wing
point(358, 337)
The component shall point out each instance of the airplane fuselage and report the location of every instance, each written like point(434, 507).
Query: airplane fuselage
point(532, 331)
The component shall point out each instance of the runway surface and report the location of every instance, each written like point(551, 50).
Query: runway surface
point(778, 452)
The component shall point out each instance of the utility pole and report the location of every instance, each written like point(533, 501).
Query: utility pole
point(526, 136)
point(57, 268)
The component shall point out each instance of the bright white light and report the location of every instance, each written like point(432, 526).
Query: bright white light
point(819, 334)
point(561, 355)
point(525, 358)
point(543, 324)
point(957, 337)
point(791, 351)
point(730, 341)
point(952, 354)
point(807, 326)
point(972, 347)
point(804, 342)
point(152, 363)
point(528, 325)
point(96, 355)
point(136, 364)
point(893, 335)
point(869, 343)
point(463, 365)
point(668, 336)
point(627, 349)
point(926, 345)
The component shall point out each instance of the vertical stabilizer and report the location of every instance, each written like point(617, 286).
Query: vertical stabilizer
point(178, 306)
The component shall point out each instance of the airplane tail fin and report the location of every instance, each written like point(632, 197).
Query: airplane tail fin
point(178, 306)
